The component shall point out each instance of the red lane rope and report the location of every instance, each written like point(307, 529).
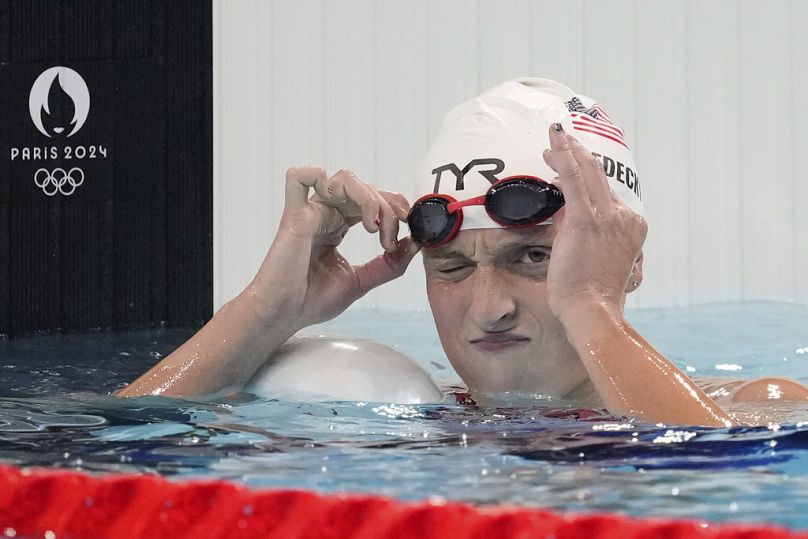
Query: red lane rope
point(57, 504)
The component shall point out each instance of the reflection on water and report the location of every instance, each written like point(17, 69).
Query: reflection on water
point(546, 456)
point(17, 416)
point(55, 411)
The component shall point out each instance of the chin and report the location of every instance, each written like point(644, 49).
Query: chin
point(494, 379)
point(505, 376)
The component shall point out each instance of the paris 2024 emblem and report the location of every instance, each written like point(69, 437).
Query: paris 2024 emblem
point(59, 102)
point(59, 105)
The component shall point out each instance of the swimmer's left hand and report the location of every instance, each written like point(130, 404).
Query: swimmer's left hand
point(598, 238)
point(598, 241)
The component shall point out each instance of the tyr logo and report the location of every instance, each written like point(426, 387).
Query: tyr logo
point(489, 174)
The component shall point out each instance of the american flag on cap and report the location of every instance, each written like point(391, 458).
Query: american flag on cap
point(594, 120)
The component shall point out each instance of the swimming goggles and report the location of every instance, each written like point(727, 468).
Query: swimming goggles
point(513, 202)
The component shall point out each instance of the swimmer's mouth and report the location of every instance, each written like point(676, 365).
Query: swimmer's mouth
point(497, 341)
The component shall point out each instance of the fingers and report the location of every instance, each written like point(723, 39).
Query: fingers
point(581, 175)
point(298, 182)
point(399, 204)
point(393, 208)
point(349, 195)
point(388, 222)
point(386, 267)
point(563, 162)
point(597, 186)
point(354, 200)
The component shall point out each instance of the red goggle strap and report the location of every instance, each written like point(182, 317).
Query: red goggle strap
point(476, 201)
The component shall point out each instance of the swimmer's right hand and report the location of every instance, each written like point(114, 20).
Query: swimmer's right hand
point(304, 280)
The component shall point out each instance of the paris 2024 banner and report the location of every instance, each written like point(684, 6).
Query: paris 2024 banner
point(106, 164)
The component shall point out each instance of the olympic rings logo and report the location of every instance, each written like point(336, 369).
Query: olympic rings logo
point(59, 181)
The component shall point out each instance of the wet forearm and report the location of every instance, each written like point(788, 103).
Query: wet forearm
point(224, 354)
point(630, 375)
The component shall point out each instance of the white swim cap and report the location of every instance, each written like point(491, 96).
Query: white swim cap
point(503, 133)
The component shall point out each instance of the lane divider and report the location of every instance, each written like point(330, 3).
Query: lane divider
point(57, 504)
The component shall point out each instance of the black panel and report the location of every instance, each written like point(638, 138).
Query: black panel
point(105, 217)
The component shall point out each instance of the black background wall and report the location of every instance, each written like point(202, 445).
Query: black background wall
point(105, 222)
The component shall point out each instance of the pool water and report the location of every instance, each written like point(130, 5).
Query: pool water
point(55, 411)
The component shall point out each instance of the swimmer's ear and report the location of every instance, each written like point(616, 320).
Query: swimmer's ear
point(635, 279)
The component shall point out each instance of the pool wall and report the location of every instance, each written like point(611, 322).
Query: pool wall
point(710, 95)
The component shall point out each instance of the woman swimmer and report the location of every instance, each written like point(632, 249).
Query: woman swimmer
point(521, 304)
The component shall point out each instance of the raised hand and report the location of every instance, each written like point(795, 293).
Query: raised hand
point(303, 275)
point(599, 239)
point(596, 249)
point(303, 280)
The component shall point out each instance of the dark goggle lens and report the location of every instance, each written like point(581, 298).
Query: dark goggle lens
point(523, 202)
point(430, 221)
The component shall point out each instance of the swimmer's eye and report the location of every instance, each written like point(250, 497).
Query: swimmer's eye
point(534, 255)
point(532, 261)
point(454, 271)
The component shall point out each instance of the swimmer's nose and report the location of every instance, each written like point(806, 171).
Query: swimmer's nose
point(493, 307)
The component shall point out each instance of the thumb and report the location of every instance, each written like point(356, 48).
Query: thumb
point(387, 266)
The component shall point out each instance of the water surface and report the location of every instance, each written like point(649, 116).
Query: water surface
point(55, 411)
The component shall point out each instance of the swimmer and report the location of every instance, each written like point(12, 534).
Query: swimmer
point(529, 216)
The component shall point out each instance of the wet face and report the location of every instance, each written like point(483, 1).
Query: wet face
point(487, 289)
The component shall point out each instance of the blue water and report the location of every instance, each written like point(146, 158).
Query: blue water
point(55, 410)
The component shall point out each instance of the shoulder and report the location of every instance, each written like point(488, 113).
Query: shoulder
point(761, 389)
point(770, 388)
